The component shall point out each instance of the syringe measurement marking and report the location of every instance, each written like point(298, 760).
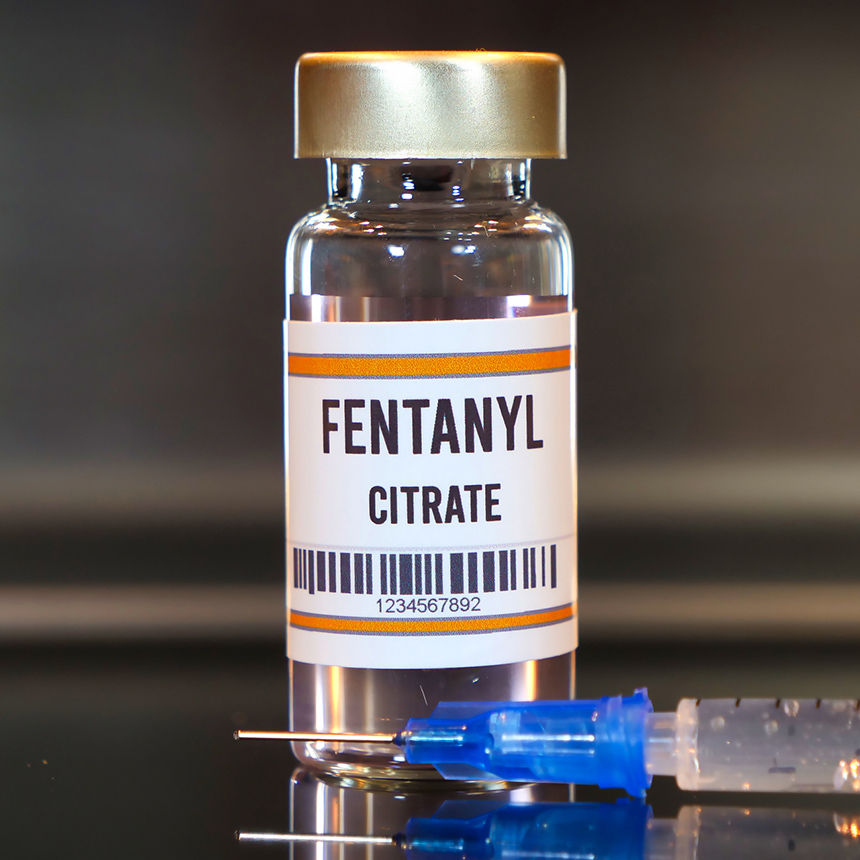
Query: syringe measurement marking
point(777, 704)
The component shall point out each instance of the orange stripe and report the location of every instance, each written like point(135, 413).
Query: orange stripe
point(429, 365)
point(429, 625)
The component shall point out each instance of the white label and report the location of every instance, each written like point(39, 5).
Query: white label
point(431, 496)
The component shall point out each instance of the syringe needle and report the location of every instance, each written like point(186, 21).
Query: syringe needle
point(311, 737)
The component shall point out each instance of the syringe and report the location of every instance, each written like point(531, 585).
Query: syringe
point(800, 745)
point(602, 831)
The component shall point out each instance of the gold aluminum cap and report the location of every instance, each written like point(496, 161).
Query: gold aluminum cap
point(430, 104)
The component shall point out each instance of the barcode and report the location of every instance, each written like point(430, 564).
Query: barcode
point(425, 572)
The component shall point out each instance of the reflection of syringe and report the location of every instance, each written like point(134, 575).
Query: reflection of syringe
point(708, 744)
point(624, 831)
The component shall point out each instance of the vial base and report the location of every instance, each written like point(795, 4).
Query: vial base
point(337, 699)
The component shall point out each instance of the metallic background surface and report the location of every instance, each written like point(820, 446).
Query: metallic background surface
point(147, 189)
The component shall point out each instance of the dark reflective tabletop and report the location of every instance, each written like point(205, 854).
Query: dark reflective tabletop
point(129, 752)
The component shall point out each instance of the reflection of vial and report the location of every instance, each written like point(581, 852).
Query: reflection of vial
point(334, 807)
point(430, 398)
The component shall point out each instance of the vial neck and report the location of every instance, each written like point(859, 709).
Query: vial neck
point(408, 184)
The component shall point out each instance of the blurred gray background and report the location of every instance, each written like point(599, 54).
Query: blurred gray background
point(146, 193)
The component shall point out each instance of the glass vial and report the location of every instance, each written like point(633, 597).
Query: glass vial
point(430, 414)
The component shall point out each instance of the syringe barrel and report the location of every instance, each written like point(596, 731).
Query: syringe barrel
point(803, 745)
